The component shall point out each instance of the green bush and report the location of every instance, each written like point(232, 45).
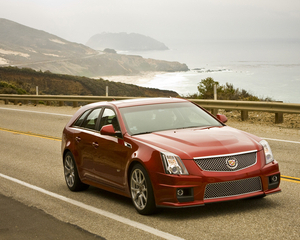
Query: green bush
point(8, 88)
point(224, 92)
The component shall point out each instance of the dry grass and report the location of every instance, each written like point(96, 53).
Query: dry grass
point(264, 118)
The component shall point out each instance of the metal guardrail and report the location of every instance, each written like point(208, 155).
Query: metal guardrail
point(275, 107)
point(64, 98)
point(245, 106)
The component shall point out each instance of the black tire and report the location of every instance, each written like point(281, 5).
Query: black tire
point(141, 191)
point(71, 174)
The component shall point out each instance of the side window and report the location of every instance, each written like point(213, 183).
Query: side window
point(91, 120)
point(80, 120)
point(109, 117)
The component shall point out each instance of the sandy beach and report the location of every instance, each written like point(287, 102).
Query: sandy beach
point(141, 78)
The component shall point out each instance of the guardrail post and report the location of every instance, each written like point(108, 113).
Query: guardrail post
point(6, 101)
point(214, 111)
point(244, 115)
point(278, 118)
point(215, 92)
point(61, 103)
point(75, 104)
point(47, 103)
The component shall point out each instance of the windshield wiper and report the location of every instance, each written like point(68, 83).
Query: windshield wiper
point(141, 133)
point(189, 127)
point(201, 127)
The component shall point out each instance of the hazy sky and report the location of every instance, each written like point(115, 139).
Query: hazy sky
point(165, 20)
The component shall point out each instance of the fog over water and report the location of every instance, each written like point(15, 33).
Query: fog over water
point(263, 68)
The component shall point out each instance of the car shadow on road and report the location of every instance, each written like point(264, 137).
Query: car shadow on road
point(209, 210)
point(113, 198)
point(219, 209)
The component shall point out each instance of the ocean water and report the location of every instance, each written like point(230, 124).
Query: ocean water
point(265, 68)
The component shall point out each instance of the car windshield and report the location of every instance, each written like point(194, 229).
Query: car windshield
point(166, 116)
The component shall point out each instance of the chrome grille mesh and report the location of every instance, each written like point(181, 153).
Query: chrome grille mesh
point(218, 164)
point(232, 188)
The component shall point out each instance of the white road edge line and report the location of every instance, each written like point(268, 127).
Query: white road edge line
point(104, 213)
point(279, 140)
point(20, 110)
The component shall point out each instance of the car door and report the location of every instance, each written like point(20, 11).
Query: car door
point(111, 153)
point(86, 137)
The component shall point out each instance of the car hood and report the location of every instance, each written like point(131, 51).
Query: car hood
point(201, 142)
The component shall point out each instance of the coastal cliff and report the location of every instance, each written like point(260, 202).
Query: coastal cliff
point(23, 46)
point(126, 42)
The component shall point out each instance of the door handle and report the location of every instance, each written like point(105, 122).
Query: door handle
point(95, 145)
point(78, 139)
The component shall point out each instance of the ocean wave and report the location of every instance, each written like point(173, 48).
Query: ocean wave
point(204, 70)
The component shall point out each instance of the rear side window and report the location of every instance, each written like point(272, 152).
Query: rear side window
point(91, 120)
point(88, 119)
point(81, 119)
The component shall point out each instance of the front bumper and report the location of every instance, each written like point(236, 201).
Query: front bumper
point(208, 187)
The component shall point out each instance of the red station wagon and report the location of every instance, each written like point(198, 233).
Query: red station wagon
point(165, 152)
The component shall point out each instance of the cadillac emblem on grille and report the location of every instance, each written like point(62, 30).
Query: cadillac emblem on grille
point(231, 162)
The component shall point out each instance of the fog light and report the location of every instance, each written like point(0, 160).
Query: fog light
point(274, 181)
point(180, 192)
point(274, 178)
point(185, 194)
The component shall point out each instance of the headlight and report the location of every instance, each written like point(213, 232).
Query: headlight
point(268, 153)
point(173, 164)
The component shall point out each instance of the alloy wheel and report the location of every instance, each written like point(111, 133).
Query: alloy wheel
point(69, 171)
point(139, 190)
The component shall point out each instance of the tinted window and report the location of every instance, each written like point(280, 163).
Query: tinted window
point(109, 117)
point(91, 120)
point(159, 117)
point(81, 119)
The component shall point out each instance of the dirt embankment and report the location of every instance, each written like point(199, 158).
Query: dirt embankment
point(263, 125)
point(291, 121)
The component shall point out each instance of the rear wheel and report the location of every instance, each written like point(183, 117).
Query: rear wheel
point(141, 191)
point(71, 174)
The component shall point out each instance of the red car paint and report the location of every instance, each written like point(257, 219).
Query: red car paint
point(105, 160)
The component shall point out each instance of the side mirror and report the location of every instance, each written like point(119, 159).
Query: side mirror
point(107, 130)
point(222, 118)
point(110, 131)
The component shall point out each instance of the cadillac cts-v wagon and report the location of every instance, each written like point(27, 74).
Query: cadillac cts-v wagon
point(165, 152)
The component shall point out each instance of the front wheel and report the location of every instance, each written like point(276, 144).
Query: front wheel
point(71, 174)
point(141, 191)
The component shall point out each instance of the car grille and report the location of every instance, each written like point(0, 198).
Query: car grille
point(219, 163)
point(232, 188)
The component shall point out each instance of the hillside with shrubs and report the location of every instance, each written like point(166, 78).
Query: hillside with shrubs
point(14, 80)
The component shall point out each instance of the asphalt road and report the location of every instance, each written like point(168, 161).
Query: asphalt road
point(18, 221)
point(31, 173)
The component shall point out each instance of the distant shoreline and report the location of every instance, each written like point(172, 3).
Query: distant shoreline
point(141, 78)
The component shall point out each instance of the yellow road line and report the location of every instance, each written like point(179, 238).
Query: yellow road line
point(290, 179)
point(30, 134)
point(283, 177)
